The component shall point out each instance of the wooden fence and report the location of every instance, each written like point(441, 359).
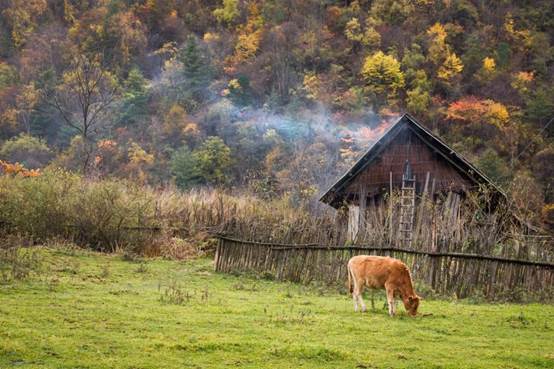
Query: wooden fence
point(447, 273)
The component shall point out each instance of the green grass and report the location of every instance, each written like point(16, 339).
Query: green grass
point(96, 311)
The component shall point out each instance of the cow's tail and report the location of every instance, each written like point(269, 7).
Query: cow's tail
point(350, 287)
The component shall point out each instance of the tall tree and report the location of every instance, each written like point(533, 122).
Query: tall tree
point(134, 104)
point(84, 99)
point(22, 17)
point(196, 71)
point(209, 164)
point(383, 76)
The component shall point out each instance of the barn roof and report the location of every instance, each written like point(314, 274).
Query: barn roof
point(333, 195)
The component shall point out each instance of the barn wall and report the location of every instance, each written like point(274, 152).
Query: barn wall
point(407, 146)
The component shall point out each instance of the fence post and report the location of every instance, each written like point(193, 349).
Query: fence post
point(217, 254)
point(446, 271)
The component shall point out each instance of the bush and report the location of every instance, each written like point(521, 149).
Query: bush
point(494, 166)
point(110, 215)
point(37, 206)
point(209, 164)
point(58, 203)
point(30, 151)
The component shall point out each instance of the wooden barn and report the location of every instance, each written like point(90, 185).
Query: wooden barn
point(414, 164)
point(412, 197)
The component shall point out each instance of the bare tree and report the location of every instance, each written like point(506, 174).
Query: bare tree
point(84, 98)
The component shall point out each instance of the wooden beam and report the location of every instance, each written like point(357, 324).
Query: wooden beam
point(427, 253)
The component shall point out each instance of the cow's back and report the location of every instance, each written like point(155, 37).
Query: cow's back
point(375, 271)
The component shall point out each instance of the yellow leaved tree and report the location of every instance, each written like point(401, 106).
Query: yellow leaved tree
point(382, 76)
point(440, 53)
point(249, 37)
point(139, 162)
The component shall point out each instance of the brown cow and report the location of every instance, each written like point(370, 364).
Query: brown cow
point(379, 272)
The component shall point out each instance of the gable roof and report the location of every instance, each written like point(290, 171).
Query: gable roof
point(462, 165)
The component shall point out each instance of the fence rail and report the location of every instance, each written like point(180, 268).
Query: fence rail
point(445, 272)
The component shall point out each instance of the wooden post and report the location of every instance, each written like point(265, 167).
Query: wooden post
point(217, 254)
point(353, 221)
point(390, 209)
point(362, 202)
point(422, 206)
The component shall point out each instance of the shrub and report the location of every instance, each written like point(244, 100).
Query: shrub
point(494, 166)
point(30, 151)
point(209, 164)
point(62, 204)
point(547, 215)
point(37, 206)
point(110, 215)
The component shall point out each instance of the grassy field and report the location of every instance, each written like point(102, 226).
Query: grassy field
point(90, 310)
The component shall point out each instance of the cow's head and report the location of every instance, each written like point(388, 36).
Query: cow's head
point(411, 304)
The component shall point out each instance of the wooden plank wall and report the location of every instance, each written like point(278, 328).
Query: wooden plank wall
point(407, 146)
point(447, 273)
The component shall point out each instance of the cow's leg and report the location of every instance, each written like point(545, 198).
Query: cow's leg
point(360, 299)
point(373, 299)
point(352, 279)
point(355, 299)
point(362, 304)
point(351, 284)
point(364, 309)
point(390, 300)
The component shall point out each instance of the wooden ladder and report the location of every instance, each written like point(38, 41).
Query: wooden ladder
point(407, 211)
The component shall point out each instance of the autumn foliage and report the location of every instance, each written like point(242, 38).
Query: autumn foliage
point(16, 169)
point(283, 94)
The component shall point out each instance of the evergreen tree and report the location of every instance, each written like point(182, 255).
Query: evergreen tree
point(213, 159)
point(183, 168)
point(494, 167)
point(209, 164)
point(196, 73)
point(134, 105)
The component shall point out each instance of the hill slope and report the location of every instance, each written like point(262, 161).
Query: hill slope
point(245, 93)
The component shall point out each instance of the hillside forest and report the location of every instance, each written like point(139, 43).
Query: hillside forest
point(276, 98)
